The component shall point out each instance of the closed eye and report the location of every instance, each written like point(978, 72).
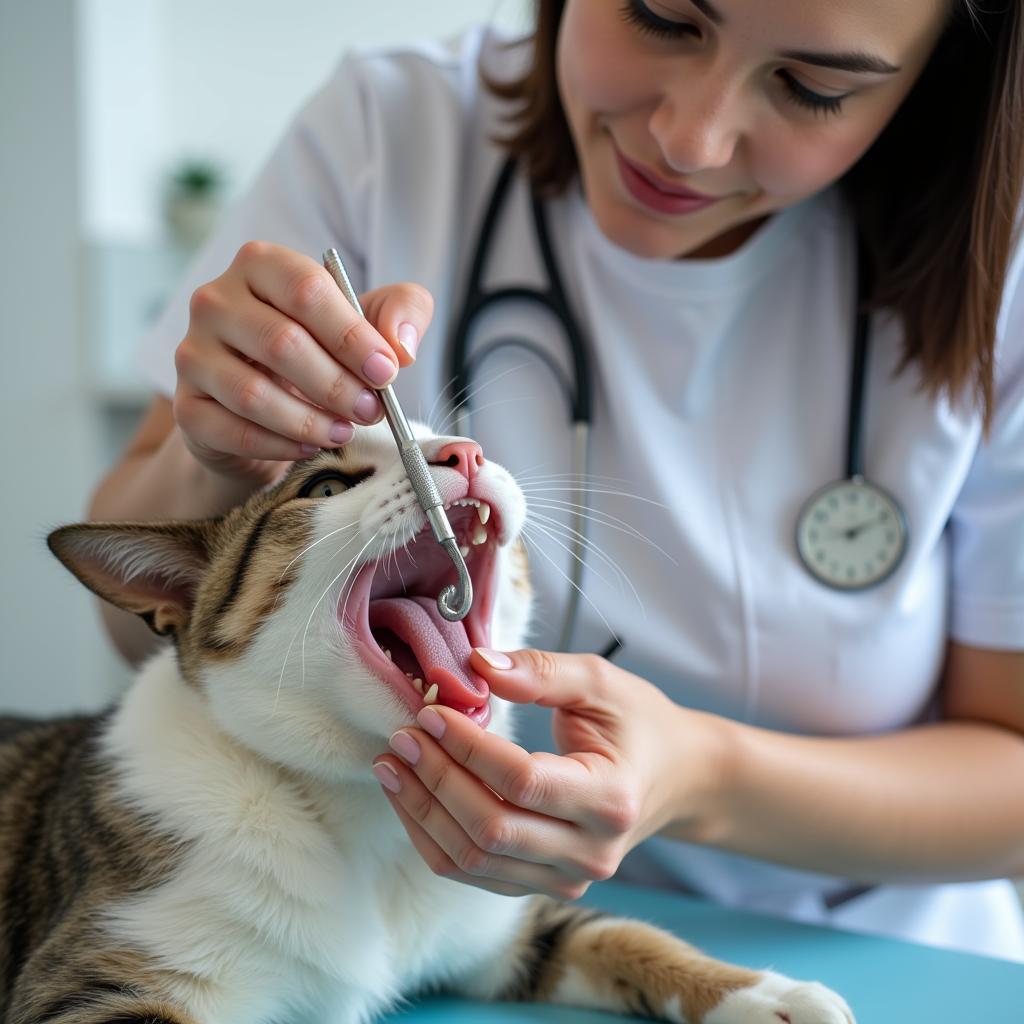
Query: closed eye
point(639, 14)
point(330, 482)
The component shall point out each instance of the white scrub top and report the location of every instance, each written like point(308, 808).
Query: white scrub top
point(720, 404)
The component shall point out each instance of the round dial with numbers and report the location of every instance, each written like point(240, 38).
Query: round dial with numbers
point(851, 534)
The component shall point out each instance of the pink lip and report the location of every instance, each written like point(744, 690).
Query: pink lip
point(656, 194)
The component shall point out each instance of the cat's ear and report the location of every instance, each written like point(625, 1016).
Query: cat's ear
point(151, 569)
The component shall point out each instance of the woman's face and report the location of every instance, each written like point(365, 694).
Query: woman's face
point(694, 119)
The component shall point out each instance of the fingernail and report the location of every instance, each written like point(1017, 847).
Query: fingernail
point(309, 449)
point(378, 369)
point(387, 776)
point(405, 747)
point(409, 338)
point(367, 407)
point(494, 658)
point(341, 432)
point(431, 722)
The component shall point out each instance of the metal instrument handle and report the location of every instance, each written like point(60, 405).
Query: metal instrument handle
point(453, 602)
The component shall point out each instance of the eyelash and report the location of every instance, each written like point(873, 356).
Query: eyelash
point(638, 14)
point(804, 97)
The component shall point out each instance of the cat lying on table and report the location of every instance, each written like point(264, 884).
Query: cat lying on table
point(216, 850)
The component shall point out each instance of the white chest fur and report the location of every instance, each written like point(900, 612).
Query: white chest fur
point(289, 899)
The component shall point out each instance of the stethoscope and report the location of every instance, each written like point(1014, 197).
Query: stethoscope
point(850, 534)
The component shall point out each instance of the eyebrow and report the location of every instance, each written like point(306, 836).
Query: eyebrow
point(857, 62)
point(854, 61)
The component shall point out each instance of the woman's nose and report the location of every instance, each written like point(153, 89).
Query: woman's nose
point(697, 125)
point(464, 455)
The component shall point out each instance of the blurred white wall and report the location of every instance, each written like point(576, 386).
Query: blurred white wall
point(52, 655)
point(163, 79)
point(98, 99)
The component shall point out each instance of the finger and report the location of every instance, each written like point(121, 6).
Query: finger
point(545, 784)
point(494, 824)
point(482, 856)
point(251, 394)
point(402, 313)
point(305, 292)
point(440, 863)
point(540, 677)
point(290, 352)
point(212, 431)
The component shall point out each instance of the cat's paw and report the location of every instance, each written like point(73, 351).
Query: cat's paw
point(776, 999)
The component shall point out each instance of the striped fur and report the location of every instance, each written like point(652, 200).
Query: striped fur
point(215, 849)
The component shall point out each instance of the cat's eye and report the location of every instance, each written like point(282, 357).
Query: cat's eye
point(332, 482)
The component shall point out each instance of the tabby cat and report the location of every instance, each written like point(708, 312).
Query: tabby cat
point(216, 850)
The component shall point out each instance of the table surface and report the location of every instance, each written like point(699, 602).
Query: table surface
point(885, 981)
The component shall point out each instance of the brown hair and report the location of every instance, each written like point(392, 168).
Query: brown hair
point(935, 198)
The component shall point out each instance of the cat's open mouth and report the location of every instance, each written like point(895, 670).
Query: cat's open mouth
point(391, 610)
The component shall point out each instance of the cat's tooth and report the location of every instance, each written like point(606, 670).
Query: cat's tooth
point(409, 674)
point(387, 654)
point(479, 534)
point(418, 683)
point(464, 550)
point(430, 697)
point(483, 510)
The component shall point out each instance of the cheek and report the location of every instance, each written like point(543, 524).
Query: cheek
point(590, 41)
point(793, 168)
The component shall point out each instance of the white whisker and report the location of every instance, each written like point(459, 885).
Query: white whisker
point(581, 592)
point(592, 490)
point(540, 528)
point(310, 547)
point(349, 569)
point(438, 398)
point(333, 533)
point(587, 544)
point(291, 643)
point(601, 519)
point(472, 391)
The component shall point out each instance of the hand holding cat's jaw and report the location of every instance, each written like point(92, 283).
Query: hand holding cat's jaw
point(482, 810)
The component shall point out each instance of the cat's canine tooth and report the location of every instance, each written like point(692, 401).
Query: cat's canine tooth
point(430, 697)
point(479, 534)
point(483, 510)
point(418, 683)
point(463, 550)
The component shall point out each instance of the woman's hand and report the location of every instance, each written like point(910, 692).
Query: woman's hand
point(482, 810)
point(276, 364)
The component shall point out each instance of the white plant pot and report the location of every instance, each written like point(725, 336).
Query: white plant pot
point(191, 218)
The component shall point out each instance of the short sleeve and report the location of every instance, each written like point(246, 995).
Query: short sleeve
point(310, 196)
point(987, 523)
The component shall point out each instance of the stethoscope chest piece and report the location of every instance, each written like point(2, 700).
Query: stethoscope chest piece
point(851, 534)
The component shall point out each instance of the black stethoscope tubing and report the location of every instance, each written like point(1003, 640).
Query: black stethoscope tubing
point(579, 392)
point(858, 370)
point(461, 368)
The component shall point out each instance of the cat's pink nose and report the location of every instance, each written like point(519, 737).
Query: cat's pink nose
point(465, 456)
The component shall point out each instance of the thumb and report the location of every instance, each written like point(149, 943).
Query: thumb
point(538, 677)
point(402, 313)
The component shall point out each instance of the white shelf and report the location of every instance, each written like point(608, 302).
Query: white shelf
point(127, 285)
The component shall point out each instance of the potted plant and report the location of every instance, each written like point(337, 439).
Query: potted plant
point(193, 200)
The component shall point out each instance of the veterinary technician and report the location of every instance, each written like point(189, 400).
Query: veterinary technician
point(803, 709)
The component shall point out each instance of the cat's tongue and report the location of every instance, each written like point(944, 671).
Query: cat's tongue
point(441, 647)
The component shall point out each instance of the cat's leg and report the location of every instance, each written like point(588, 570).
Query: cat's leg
point(90, 1002)
point(579, 957)
point(62, 985)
